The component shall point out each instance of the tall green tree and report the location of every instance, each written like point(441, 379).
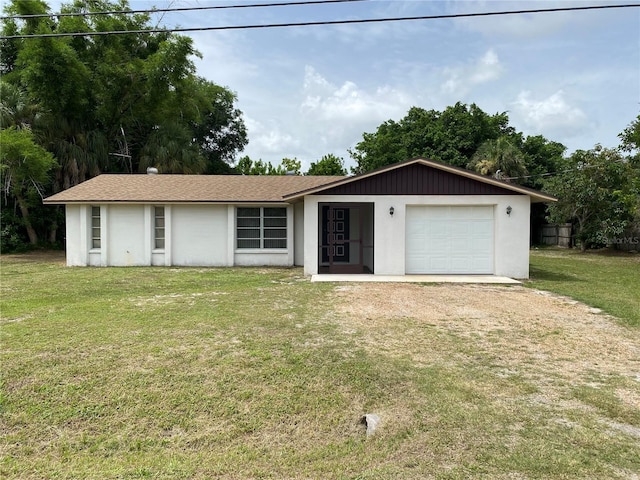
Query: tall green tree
point(170, 150)
point(630, 140)
point(596, 192)
point(541, 157)
point(630, 144)
point(220, 131)
point(24, 168)
point(125, 87)
point(451, 136)
point(328, 165)
point(117, 103)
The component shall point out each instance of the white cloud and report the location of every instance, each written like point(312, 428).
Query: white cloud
point(269, 139)
point(224, 59)
point(326, 102)
point(461, 79)
point(552, 116)
point(328, 118)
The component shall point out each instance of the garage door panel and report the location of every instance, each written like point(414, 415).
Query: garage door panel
point(449, 239)
point(458, 228)
point(436, 247)
point(438, 264)
point(459, 245)
point(440, 214)
point(482, 264)
point(415, 228)
point(460, 264)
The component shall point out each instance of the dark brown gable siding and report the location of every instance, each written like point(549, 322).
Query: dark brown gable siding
point(417, 180)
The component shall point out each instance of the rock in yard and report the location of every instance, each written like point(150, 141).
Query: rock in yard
point(371, 420)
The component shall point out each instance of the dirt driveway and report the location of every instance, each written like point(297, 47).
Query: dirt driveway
point(554, 341)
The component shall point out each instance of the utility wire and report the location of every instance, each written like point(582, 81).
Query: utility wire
point(177, 9)
point(331, 22)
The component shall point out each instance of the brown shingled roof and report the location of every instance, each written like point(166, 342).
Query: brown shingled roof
point(143, 188)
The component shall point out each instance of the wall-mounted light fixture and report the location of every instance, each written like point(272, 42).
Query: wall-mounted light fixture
point(509, 209)
point(391, 210)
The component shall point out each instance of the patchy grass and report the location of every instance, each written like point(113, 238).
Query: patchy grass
point(169, 373)
point(608, 281)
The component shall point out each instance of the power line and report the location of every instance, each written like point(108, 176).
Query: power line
point(330, 22)
point(177, 9)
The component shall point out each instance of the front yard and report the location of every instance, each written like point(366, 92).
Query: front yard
point(257, 373)
point(606, 280)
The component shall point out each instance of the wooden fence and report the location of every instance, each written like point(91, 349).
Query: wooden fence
point(559, 235)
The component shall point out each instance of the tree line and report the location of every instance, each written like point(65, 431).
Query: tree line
point(80, 106)
point(598, 190)
point(74, 107)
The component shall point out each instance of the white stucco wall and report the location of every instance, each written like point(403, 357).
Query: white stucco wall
point(78, 237)
point(125, 236)
point(195, 235)
point(75, 236)
point(298, 234)
point(199, 235)
point(511, 235)
point(204, 235)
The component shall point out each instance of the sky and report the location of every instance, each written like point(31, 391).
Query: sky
point(305, 92)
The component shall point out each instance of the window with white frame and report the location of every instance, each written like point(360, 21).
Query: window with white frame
point(261, 227)
point(95, 227)
point(158, 227)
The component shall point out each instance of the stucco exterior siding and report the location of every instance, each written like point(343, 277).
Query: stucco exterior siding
point(298, 234)
point(262, 258)
point(198, 235)
point(75, 235)
point(195, 235)
point(511, 232)
point(125, 237)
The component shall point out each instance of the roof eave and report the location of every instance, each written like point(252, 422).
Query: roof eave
point(46, 201)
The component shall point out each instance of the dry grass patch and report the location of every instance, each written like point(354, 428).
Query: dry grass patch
point(559, 371)
point(512, 327)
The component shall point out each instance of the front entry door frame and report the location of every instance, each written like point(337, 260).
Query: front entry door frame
point(337, 247)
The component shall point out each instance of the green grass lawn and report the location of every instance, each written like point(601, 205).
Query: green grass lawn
point(187, 373)
point(609, 281)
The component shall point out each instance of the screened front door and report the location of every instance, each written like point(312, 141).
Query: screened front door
point(346, 238)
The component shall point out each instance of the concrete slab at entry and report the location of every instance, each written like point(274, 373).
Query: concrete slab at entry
point(415, 278)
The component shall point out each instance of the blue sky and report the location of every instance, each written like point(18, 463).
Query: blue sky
point(573, 77)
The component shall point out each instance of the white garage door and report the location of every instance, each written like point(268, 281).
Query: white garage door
point(449, 239)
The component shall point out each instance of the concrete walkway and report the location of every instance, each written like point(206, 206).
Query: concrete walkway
point(415, 278)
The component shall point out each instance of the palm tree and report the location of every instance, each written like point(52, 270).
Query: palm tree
point(15, 108)
point(171, 149)
point(499, 158)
